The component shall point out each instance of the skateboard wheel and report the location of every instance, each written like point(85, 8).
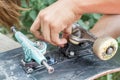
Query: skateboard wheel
point(74, 42)
point(41, 46)
point(105, 47)
point(75, 36)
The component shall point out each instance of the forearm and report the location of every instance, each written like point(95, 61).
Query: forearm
point(98, 6)
point(108, 25)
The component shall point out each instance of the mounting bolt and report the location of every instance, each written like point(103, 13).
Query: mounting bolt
point(72, 53)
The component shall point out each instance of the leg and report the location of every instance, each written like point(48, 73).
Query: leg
point(108, 25)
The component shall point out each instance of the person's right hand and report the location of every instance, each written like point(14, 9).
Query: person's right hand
point(55, 19)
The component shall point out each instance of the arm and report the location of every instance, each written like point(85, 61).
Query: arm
point(108, 25)
point(98, 6)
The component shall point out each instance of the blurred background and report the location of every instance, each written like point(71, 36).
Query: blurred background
point(27, 18)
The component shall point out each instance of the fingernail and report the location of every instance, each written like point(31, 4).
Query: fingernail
point(63, 41)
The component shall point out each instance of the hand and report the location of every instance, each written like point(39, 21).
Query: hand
point(55, 19)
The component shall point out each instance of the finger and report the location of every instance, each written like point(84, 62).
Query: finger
point(46, 31)
point(67, 32)
point(36, 25)
point(55, 38)
point(38, 35)
point(35, 28)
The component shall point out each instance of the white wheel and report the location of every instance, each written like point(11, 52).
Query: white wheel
point(74, 42)
point(105, 47)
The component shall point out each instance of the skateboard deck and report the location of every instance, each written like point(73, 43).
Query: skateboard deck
point(86, 67)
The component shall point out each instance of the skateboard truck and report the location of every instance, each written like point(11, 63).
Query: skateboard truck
point(104, 47)
point(80, 39)
point(33, 53)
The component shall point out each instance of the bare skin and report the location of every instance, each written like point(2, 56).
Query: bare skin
point(59, 16)
point(108, 25)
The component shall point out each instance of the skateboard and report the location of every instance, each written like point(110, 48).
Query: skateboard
point(86, 67)
point(84, 57)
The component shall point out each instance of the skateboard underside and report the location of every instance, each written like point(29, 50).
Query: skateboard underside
point(86, 67)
